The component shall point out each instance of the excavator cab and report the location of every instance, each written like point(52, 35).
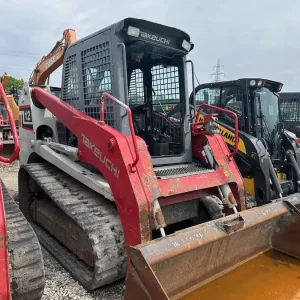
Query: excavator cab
point(267, 153)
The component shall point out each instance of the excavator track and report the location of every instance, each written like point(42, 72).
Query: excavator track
point(27, 275)
point(97, 229)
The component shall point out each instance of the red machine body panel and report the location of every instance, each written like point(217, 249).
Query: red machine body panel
point(130, 174)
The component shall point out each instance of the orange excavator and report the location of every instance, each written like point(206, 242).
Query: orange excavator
point(5, 128)
point(46, 66)
point(53, 60)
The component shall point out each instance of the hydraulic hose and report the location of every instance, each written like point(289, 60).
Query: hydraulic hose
point(291, 158)
point(275, 180)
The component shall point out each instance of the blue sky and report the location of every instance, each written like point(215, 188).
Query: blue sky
point(251, 38)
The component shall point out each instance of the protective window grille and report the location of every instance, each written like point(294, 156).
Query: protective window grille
point(136, 88)
point(70, 82)
point(289, 109)
point(97, 80)
point(165, 83)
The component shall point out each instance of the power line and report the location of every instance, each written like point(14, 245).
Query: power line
point(5, 64)
point(16, 67)
point(15, 55)
point(9, 50)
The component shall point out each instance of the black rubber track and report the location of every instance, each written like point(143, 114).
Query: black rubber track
point(27, 275)
point(97, 216)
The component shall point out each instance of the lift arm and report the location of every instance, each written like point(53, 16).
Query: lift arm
point(53, 60)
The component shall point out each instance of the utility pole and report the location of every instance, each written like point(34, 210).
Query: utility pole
point(218, 71)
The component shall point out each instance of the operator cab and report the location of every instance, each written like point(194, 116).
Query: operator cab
point(254, 100)
point(143, 64)
point(156, 94)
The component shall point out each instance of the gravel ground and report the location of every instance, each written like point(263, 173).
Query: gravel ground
point(59, 284)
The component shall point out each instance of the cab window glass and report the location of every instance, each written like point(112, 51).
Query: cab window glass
point(209, 96)
point(230, 101)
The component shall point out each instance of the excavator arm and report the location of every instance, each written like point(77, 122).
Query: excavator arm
point(53, 60)
point(4, 81)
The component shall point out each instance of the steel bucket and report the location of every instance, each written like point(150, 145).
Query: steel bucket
point(176, 265)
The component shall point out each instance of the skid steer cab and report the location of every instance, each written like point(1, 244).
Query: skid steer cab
point(268, 156)
point(118, 165)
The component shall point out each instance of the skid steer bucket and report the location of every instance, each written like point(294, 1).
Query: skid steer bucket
point(186, 264)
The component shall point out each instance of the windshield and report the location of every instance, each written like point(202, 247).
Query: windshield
point(268, 114)
point(155, 88)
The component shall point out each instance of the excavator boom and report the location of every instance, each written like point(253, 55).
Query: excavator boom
point(53, 60)
point(4, 81)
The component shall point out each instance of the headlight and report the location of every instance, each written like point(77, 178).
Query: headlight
point(133, 31)
point(252, 82)
point(260, 83)
point(186, 45)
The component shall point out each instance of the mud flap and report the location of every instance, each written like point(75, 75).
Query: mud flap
point(174, 266)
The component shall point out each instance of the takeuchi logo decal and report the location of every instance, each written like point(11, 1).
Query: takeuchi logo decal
point(154, 37)
point(99, 155)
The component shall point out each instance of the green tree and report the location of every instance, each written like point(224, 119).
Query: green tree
point(14, 82)
point(13, 87)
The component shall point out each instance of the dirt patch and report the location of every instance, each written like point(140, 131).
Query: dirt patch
point(9, 176)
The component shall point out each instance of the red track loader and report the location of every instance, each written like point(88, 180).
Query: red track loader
point(135, 186)
point(21, 263)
